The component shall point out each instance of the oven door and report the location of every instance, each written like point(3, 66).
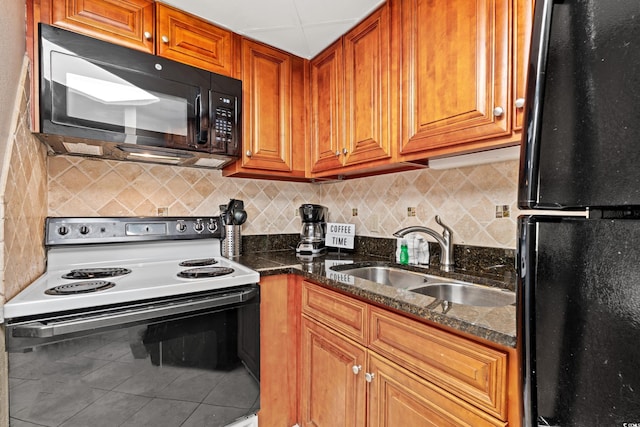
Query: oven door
point(192, 359)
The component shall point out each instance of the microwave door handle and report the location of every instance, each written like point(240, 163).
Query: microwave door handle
point(116, 318)
point(530, 153)
point(202, 136)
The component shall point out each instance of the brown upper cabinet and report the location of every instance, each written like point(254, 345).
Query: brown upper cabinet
point(416, 79)
point(191, 40)
point(454, 60)
point(350, 85)
point(129, 23)
point(273, 113)
point(147, 26)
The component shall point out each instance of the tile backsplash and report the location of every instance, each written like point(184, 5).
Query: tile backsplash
point(465, 198)
point(24, 202)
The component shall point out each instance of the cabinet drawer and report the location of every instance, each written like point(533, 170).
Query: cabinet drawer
point(471, 371)
point(344, 314)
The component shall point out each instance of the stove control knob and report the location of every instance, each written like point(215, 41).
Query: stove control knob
point(63, 230)
point(213, 225)
point(84, 230)
point(181, 227)
point(198, 226)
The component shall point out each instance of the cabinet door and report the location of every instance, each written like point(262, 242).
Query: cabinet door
point(454, 62)
point(190, 40)
point(128, 23)
point(399, 398)
point(267, 86)
point(523, 20)
point(326, 81)
point(332, 379)
point(469, 370)
point(366, 104)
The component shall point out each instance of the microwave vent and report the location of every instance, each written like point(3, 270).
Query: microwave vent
point(82, 148)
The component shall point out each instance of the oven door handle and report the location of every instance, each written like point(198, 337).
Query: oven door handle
point(54, 327)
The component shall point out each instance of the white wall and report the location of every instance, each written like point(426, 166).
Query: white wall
point(12, 50)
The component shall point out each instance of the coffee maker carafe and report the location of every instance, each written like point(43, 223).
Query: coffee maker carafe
point(314, 228)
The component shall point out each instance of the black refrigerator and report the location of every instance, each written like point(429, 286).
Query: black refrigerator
point(579, 276)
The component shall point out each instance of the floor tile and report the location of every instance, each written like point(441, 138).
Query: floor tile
point(50, 403)
point(149, 382)
point(213, 416)
point(237, 389)
point(162, 412)
point(112, 409)
point(192, 385)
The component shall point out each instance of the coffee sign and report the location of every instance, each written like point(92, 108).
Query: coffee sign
point(340, 235)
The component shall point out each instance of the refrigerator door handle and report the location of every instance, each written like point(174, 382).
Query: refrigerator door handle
point(529, 157)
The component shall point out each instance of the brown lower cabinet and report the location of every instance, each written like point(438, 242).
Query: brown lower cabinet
point(332, 386)
point(390, 370)
point(328, 359)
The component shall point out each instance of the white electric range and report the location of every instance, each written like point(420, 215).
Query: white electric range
point(142, 298)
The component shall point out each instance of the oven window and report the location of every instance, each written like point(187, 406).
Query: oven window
point(191, 371)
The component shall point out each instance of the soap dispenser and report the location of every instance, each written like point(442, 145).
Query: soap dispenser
point(404, 252)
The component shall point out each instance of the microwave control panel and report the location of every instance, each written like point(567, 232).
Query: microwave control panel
point(225, 124)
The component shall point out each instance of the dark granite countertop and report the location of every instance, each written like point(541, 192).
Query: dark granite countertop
point(496, 324)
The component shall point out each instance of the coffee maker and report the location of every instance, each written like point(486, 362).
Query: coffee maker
point(314, 228)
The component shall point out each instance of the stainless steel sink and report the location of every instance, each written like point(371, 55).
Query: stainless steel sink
point(403, 279)
point(468, 294)
point(441, 288)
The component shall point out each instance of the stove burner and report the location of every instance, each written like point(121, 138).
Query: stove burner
point(80, 287)
point(96, 273)
point(198, 262)
point(196, 273)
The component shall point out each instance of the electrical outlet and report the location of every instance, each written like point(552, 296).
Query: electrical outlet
point(164, 211)
point(354, 211)
point(502, 211)
point(411, 211)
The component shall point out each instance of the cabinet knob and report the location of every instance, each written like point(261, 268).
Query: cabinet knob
point(165, 39)
point(356, 369)
point(337, 153)
point(249, 153)
point(369, 376)
point(519, 102)
point(345, 151)
point(498, 111)
point(147, 35)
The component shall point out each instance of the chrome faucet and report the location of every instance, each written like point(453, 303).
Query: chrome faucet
point(446, 244)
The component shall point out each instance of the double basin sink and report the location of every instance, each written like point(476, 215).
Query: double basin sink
point(441, 288)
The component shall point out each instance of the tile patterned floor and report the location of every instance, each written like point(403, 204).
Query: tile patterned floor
point(97, 381)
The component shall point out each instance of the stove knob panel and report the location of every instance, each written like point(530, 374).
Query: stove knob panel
point(181, 227)
point(84, 230)
point(198, 226)
point(63, 230)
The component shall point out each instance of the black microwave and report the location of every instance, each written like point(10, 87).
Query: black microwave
point(98, 99)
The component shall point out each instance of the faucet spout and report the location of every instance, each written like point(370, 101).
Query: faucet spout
point(444, 240)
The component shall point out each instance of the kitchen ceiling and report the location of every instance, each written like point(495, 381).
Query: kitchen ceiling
point(301, 27)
